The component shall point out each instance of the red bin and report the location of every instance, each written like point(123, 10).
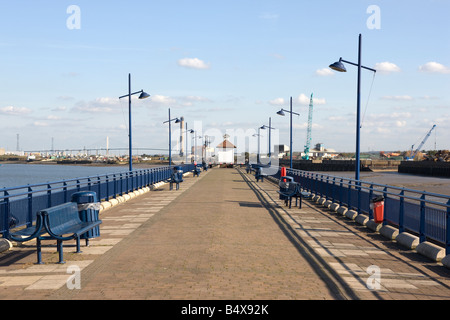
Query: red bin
point(283, 173)
point(378, 209)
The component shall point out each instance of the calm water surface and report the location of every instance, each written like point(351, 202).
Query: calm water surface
point(14, 175)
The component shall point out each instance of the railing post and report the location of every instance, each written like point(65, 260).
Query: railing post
point(30, 207)
point(349, 204)
point(65, 192)
point(370, 199)
point(333, 188)
point(447, 237)
point(99, 193)
point(385, 208)
point(107, 188)
point(358, 188)
point(49, 196)
point(115, 186)
point(422, 236)
point(401, 214)
point(6, 215)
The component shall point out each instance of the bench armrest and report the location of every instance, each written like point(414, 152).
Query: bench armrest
point(18, 237)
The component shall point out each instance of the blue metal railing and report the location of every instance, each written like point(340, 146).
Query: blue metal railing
point(19, 205)
point(422, 213)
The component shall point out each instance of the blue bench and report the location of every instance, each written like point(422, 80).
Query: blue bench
point(259, 174)
point(197, 170)
point(293, 190)
point(175, 178)
point(60, 223)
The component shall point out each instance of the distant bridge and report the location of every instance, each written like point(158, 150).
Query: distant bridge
point(95, 150)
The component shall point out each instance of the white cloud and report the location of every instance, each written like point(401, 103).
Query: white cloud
point(99, 105)
point(53, 117)
point(61, 108)
point(324, 72)
point(434, 67)
point(161, 100)
point(400, 123)
point(40, 124)
point(193, 63)
point(386, 67)
point(398, 98)
point(277, 102)
point(14, 111)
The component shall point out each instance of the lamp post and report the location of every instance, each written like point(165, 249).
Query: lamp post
point(282, 113)
point(170, 136)
point(143, 95)
point(195, 144)
point(270, 130)
point(186, 132)
point(339, 66)
point(258, 160)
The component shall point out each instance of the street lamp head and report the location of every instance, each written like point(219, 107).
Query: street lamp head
point(338, 66)
point(281, 113)
point(144, 95)
point(263, 127)
point(191, 131)
point(177, 120)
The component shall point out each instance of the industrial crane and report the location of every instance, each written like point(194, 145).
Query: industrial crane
point(308, 135)
point(414, 153)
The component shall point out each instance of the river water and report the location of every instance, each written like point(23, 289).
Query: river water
point(14, 175)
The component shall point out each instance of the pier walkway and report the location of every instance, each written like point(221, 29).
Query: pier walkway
point(223, 236)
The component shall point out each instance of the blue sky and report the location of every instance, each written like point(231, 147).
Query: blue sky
point(224, 66)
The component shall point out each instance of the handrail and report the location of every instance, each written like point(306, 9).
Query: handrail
point(18, 205)
point(423, 213)
point(372, 184)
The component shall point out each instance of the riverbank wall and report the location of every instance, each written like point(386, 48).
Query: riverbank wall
point(341, 165)
point(427, 168)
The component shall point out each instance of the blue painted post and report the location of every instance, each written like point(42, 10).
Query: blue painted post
point(107, 188)
point(290, 143)
point(422, 236)
point(385, 196)
point(447, 239)
point(49, 195)
point(30, 207)
point(401, 217)
point(333, 194)
point(6, 215)
point(349, 204)
point(358, 116)
point(358, 188)
point(370, 201)
point(66, 197)
point(115, 186)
